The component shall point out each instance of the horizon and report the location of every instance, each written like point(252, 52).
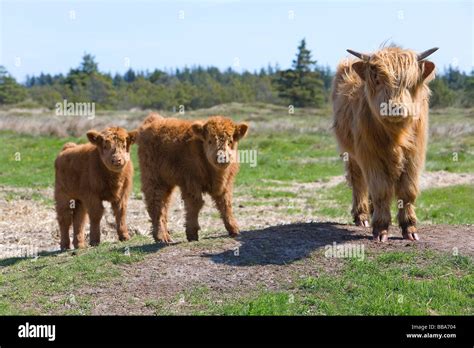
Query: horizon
point(51, 37)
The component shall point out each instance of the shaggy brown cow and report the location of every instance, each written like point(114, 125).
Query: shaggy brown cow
point(91, 173)
point(198, 157)
point(380, 104)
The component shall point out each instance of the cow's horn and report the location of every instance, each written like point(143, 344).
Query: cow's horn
point(427, 53)
point(362, 56)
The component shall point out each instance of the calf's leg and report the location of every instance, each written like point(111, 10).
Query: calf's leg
point(157, 202)
point(78, 222)
point(192, 204)
point(64, 216)
point(224, 205)
point(120, 211)
point(96, 211)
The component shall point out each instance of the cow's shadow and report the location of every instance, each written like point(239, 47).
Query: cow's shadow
point(283, 244)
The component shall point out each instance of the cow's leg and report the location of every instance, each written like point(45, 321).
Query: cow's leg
point(224, 205)
point(120, 212)
point(96, 211)
point(381, 192)
point(192, 204)
point(157, 202)
point(64, 216)
point(360, 201)
point(78, 222)
point(406, 190)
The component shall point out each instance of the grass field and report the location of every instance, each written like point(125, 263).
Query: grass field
point(298, 177)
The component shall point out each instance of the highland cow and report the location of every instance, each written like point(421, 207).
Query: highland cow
point(380, 104)
point(88, 174)
point(198, 157)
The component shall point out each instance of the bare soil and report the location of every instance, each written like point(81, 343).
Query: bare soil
point(251, 262)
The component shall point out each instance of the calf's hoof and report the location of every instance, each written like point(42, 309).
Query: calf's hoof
point(192, 238)
point(410, 233)
point(234, 234)
point(163, 238)
point(65, 247)
point(124, 238)
point(192, 233)
point(233, 229)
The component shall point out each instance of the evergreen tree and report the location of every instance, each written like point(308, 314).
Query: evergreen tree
point(88, 65)
point(10, 91)
point(441, 95)
point(302, 85)
point(129, 76)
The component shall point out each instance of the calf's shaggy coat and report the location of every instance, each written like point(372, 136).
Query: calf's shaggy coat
point(384, 151)
point(88, 174)
point(198, 157)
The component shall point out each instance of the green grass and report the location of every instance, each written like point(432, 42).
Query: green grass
point(35, 167)
point(446, 205)
point(36, 286)
point(452, 156)
point(290, 157)
point(392, 283)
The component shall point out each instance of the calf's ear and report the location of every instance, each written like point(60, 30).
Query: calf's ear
point(132, 137)
point(198, 130)
point(359, 68)
point(240, 131)
point(94, 137)
point(427, 68)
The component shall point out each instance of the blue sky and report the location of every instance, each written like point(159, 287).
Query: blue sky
point(45, 36)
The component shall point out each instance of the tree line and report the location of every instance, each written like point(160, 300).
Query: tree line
point(305, 84)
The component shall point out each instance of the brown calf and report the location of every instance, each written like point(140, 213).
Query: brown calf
point(198, 157)
point(91, 173)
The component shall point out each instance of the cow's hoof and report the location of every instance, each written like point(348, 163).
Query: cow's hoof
point(234, 234)
point(410, 233)
point(363, 223)
point(380, 235)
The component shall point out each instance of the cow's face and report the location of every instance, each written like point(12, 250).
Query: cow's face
point(114, 146)
point(393, 79)
point(220, 137)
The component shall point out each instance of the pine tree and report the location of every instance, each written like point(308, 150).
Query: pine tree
point(10, 91)
point(302, 85)
point(88, 65)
